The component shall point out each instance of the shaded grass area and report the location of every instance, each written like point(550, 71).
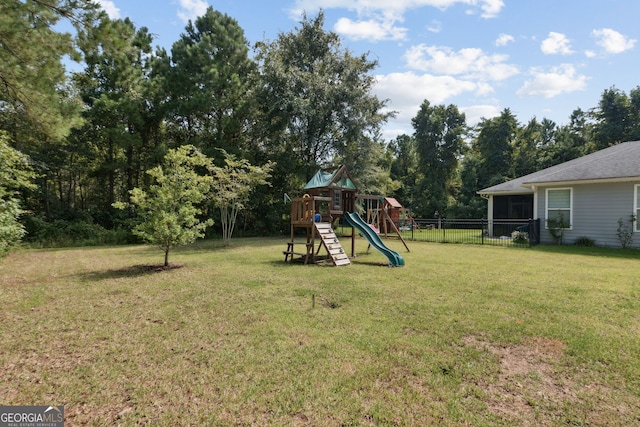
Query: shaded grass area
point(462, 335)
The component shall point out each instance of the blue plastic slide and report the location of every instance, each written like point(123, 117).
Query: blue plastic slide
point(358, 223)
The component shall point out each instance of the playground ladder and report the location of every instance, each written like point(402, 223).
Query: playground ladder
point(331, 243)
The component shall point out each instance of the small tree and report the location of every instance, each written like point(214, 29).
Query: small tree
point(15, 174)
point(231, 189)
point(625, 232)
point(556, 228)
point(168, 209)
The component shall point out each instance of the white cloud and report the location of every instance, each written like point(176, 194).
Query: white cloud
point(370, 30)
point(475, 113)
point(491, 8)
point(434, 27)
point(472, 63)
point(562, 79)
point(410, 89)
point(612, 41)
point(504, 39)
point(556, 44)
point(589, 54)
point(407, 91)
point(377, 19)
point(389, 133)
point(108, 6)
point(191, 9)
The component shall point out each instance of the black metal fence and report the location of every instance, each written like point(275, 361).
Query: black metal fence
point(499, 232)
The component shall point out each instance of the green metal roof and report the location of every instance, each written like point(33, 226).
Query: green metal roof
point(337, 178)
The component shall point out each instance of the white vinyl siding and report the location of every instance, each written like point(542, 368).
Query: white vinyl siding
point(595, 210)
point(560, 204)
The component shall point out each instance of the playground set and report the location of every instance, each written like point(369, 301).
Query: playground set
point(329, 196)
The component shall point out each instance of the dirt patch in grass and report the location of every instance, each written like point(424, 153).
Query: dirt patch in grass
point(530, 387)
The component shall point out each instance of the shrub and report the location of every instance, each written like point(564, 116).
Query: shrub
point(585, 241)
point(61, 233)
point(520, 237)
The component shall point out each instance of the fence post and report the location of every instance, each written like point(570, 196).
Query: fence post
point(413, 227)
point(444, 228)
point(482, 230)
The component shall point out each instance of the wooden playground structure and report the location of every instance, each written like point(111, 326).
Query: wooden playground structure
point(387, 215)
point(330, 195)
point(309, 213)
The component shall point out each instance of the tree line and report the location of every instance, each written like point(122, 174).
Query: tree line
point(445, 162)
point(83, 141)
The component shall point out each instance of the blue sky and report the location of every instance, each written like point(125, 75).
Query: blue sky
point(540, 58)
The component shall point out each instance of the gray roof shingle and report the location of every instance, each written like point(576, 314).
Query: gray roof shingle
point(621, 161)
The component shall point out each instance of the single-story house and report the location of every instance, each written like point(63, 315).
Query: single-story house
point(590, 194)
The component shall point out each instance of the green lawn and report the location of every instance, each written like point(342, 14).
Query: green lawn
point(462, 335)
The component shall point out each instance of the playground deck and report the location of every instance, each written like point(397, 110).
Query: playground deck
point(328, 240)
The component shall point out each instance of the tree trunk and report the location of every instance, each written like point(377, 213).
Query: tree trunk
point(45, 195)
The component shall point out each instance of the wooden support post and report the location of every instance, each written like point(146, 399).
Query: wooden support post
point(353, 242)
point(289, 254)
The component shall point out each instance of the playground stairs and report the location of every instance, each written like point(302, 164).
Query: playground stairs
point(331, 244)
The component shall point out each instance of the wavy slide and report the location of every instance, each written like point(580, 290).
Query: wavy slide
point(358, 223)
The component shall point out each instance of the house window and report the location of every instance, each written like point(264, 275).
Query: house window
point(636, 206)
point(559, 206)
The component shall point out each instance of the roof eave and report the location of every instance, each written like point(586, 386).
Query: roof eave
point(505, 192)
point(581, 181)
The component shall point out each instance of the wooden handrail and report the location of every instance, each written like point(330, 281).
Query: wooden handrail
point(304, 208)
